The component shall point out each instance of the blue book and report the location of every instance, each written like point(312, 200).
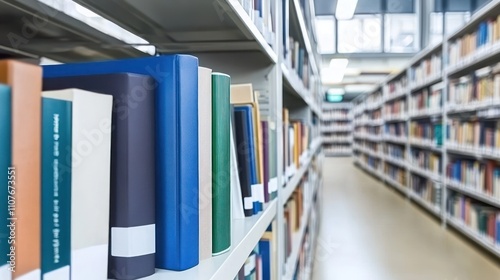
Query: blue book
point(244, 161)
point(251, 148)
point(177, 180)
point(265, 249)
point(5, 163)
point(56, 188)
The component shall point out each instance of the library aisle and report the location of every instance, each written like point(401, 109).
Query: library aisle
point(369, 232)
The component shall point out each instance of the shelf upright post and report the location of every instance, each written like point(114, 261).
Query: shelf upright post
point(444, 118)
point(408, 122)
point(278, 109)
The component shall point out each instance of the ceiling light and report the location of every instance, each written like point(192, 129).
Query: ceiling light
point(359, 88)
point(338, 67)
point(334, 98)
point(345, 9)
point(335, 91)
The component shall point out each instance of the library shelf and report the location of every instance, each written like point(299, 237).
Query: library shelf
point(388, 98)
point(373, 138)
point(371, 170)
point(61, 22)
point(478, 153)
point(425, 204)
point(469, 191)
point(338, 119)
point(472, 106)
point(426, 144)
point(292, 184)
point(396, 118)
point(473, 235)
point(338, 154)
point(226, 20)
point(395, 161)
point(297, 239)
point(346, 140)
point(428, 51)
point(294, 83)
point(425, 173)
point(429, 81)
point(427, 113)
point(303, 30)
point(342, 129)
point(396, 184)
point(395, 139)
point(374, 106)
point(480, 58)
point(245, 234)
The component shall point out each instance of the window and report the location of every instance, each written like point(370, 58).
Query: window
point(453, 21)
point(401, 34)
point(325, 31)
point(363, 33)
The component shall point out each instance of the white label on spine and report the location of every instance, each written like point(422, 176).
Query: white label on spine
point(133, 241)
point(58, 274)
point(33, 275)
point(250, 265)
point(273, 185)
point(5, 272)
point(258, 192)
point(248, 201)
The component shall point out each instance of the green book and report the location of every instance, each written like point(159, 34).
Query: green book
point(56, 188)
point(5, 162)
point(221, 164)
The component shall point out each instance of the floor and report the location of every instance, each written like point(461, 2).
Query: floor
point(371, 232)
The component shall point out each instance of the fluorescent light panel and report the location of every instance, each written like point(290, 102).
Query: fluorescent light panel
point(345, 9)
point(336, 91)
point(338, 67)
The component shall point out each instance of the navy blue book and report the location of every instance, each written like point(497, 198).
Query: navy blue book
point(243, 158)
point(176, 147)
point(132, 205)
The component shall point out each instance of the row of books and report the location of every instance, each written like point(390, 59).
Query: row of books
point(345, 137)
point(486, 34)
point(263, 15)
point(293, 213)
point(371, 161)
point(426, 189)
point(477, 134)
point(395, 129)
point(427, 69)
point(427, 100)
point(374, 100)
point(479, 176)
point(337, 148)
point(481, 219)
point(482, 85)
point(120, 137)
point(296, 141)
point(426, 160)
point(396, 173)
point(395, 109)
point(427, 130)
point(262, 262)
point(337, 114)
point(297, 59)
point(394, 151)
point(397, 87)
point(370, 130)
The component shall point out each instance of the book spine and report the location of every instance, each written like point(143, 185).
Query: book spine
point(221, 188)
point(265, 150)
point(56, 188)
point(5, 165)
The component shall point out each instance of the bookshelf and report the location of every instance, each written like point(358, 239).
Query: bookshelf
point(227, 36)
point(438, 99)
point(337, 126)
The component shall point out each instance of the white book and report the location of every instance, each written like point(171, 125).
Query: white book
point(90, 182)
point(205, 160)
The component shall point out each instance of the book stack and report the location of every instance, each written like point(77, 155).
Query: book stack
point(427, 101)
point(396, 173)
point(111, 142)
point(426, 70)
point(426, 160)
point(261, 264)
point(471, 133)
point(479, 88)
point(486, 34)
point(476, 176)
point(263, 14)
point(395, 110)
point(482, 220)
point(397, 130)
point(427, 133)
point(397, 87)
point(426, 189)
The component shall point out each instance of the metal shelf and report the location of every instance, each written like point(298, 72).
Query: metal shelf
point(295, 85)
point(392, 97)
point(425, 173)
point(57, 35)
point(474, 235)
point(396, 140)
point(427, 83)
point(396, 185)
point(219, 26)
point(473, 193)
point(246, 233)
point(425, 204)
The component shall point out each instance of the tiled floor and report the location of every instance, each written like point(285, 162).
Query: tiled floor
point(370, 232)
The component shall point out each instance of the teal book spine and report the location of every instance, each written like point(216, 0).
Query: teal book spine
point(5, 162)
point(221, 164)
point(56, 188)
